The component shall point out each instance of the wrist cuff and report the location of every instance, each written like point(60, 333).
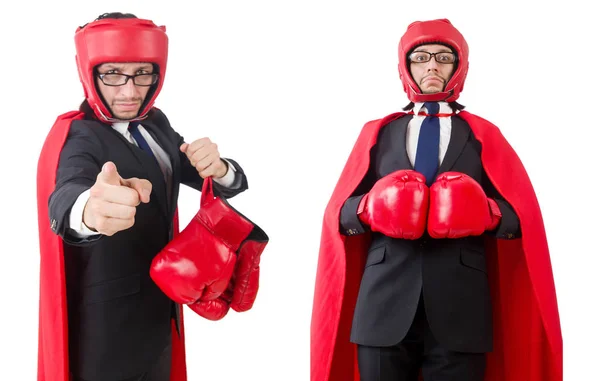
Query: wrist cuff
point(495, 214)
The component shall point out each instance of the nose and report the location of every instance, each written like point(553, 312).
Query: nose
point(129, 89)
point(433, 64)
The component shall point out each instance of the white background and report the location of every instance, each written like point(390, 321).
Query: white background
point(284, 88)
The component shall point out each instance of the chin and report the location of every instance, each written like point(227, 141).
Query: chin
point(432, 90)
point(125, 116)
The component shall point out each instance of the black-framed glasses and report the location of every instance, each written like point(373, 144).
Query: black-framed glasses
point(115, 79)
point(441, 57)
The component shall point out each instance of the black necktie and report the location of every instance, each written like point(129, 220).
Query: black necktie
point(426, 161)
point(142, 143)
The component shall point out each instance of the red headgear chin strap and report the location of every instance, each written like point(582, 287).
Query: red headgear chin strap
point(439, 31)
point(119, 40)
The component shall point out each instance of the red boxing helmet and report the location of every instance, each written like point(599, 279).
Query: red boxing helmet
point(119, 40)
point(442, 32)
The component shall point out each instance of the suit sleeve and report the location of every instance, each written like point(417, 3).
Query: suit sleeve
point(509, 226)
point(350, 224)
point(78, 167)
point(189, 175)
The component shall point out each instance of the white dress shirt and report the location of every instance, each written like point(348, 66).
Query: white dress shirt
point(76, 216)
point(414, 126)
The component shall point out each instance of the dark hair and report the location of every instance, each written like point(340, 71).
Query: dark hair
point(113, 15)
point(455, 106)
point(116, 15)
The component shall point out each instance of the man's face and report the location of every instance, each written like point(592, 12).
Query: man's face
point(431, 76)
point(124, 101)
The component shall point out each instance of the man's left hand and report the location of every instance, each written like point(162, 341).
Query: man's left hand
point(204, 156)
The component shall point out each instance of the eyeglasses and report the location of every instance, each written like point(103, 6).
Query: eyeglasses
point(441, 57)
point(114, 79)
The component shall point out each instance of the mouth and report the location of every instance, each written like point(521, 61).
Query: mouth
point(127, 106)
point(432, 79)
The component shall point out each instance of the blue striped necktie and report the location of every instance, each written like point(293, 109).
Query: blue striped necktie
point(426, 161)
point(141, 142)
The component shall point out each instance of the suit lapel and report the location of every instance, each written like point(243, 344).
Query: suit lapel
point(458, 139)
point(398, 134)
point(167, 197)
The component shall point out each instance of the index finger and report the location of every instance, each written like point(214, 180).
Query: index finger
point(120, 194)
point(142, 186)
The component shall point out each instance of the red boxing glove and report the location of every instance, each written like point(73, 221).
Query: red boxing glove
point(243, 287)
point(193, 266)
point(199, 262)
point(397, 205)
point(212, 309)
point(245, 277)
point(458, 207)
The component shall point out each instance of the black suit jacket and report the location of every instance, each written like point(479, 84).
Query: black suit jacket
point(450, 273)
point(119, 320)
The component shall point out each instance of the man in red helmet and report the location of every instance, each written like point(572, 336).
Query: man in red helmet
point(433, 260)
point(108, 183)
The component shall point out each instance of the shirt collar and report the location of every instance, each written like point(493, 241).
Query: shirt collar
point(444, 108)
point(121, 127)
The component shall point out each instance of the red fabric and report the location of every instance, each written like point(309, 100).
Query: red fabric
point(53, 359)
point(527, 333)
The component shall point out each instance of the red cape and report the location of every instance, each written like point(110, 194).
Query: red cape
point(53, 358)
point(527, 334)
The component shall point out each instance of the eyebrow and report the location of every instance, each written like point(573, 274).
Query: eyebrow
point(443, 50)
point(111, 66)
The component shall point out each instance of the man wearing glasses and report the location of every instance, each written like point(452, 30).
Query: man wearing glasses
point(434, 260)
point(108, 183)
